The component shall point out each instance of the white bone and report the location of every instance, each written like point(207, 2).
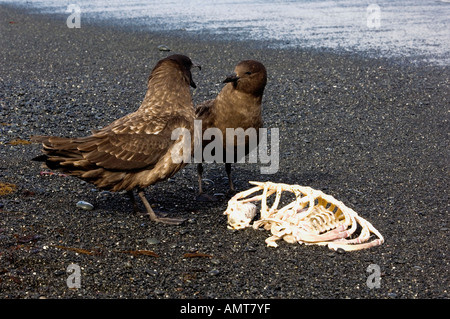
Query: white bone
point(312, 218)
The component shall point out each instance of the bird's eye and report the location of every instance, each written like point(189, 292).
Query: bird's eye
point(248, 73)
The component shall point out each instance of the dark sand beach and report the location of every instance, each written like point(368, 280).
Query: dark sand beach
point(372, 133)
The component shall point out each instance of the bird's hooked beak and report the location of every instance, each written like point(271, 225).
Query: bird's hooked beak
point(196, 65)
point(231, 78)
point(192, 83)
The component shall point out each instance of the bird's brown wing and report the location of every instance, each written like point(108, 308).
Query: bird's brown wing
point(203, 111)
point(129, 151)
point(125, 151)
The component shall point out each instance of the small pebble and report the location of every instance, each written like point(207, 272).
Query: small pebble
point(163, 47)
point(85, 205)
point(59, 272)
point(208, 181)
point(159, 292)
point(215, 261)
point(105, 193)
point(153, 241)
point(214, 272)
point(249, 249)
point(152, 272)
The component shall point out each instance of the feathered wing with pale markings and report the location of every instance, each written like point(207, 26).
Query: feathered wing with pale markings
point(134, 151)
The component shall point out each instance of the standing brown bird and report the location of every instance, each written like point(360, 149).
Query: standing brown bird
point(238, 105)
point(134, 151)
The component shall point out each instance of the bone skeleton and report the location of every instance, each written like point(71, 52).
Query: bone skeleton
point(312, 218)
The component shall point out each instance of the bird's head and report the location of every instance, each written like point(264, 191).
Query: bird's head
point(183, 63)
point(249, 76)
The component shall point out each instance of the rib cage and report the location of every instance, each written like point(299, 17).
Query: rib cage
point(312, 218)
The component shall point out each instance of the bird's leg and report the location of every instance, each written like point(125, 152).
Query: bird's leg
point(200, 174)
point(153, 216)
point(202, 197)
point(133, 201)
point(232, 190)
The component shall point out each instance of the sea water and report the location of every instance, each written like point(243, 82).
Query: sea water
point(418, 30)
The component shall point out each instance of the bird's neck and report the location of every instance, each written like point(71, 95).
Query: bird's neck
point(167, 90)
point(232, 100)
point(236, 109)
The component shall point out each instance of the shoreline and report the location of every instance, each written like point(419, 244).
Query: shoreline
point(369, 45)
point(228, 39)
point(370, 132)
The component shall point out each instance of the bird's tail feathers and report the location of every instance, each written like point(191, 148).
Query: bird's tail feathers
point(60, 152)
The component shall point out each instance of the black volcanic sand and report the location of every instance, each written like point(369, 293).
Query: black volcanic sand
point(372, 133)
